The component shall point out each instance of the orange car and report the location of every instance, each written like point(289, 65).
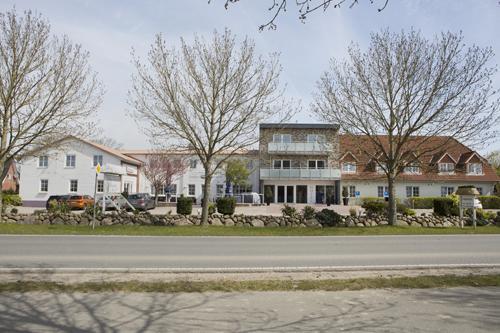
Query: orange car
point(80, 201)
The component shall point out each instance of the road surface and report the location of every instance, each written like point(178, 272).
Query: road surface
point(245, 252)
point(453, 310)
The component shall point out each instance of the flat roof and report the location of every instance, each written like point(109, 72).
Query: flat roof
point(296, 125)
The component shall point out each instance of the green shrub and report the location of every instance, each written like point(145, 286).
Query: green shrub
point(490, 201)
point(328, 218)
point(268, 195)
point(289, 211)
point(58, 207)
point(374, 207)
point(308, 212)
point(353, 211)
point(371, 199)
point(445, 206)
point(226, 205)
point(89, 210)
point(11, 199)
point(421, 202)
point(211, 208)
point(403, 209)
point(184, 205)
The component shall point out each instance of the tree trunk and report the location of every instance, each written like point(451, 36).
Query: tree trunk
point(3, 175)
point(392, 200)
point(206, 191)
point(156, 197)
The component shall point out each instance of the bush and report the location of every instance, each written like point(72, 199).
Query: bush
point(371, 199)
point(308, 212)
point(374, 207)
point(58, 207)
point(211, 208)
point(328, 218)
point(184, 205)
point(445, 206)
point(490, 201)
point(226, 205)
point(11, 199)
point(352, 211)
point(289, 211)
point(89, 210)
point(268, 195)
point(403, 209)
point(421, 202)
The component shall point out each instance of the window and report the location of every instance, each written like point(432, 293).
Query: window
point(446, 167)
point(352, 191)
point(412, 191)
point(44, 185)
point(238, 189)
point(447, 190)
point(315, 138)
point(480, 190)
point(192, 164)
point(316, 164)
point(349, 167)
point(380, 168)
point(220, 190)
point(415, 169)
point(70, 161)
point(171, 189)
point(282, 138)
point(281, 164)
point(475, 169)
point(43, 161)
point(73, 185)
point(100, 186)
point(382, 190)
point(97, 160)
point(191, 189)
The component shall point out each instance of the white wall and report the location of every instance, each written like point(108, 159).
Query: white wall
point(59, 175)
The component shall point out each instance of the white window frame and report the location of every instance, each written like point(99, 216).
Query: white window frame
point(281, 164)
point(41, 186)
point(191, 186)
point(316, 166)
point(447, 190)
point(446, 168)
point(384, 189)
point(193, 163)
point(315, 138)
point(349, 167)
point(414, 191)
point(99, 159)
point(172, 190)
point(412, 169)
point(280, 138)
point(45, 160)
point(474, 168)
point(70, 186)
point(70, 158)
point(100, 184)
point(352, 191)
point(219, 190)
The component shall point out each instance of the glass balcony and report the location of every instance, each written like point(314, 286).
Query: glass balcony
point(309, 148)
point(299, 173)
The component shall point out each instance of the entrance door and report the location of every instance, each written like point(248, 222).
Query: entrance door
point(289, 194)
point(320, 194)
point(301, 194)
point(281, 194)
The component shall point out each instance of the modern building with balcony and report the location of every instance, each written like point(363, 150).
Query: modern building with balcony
point(299, 163)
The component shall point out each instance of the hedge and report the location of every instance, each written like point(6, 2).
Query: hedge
point(226, 205)
point(11, 199)
point(328, 218)
point(184, 205)
point(421, 202)
point(445, 207)
point(490, 201)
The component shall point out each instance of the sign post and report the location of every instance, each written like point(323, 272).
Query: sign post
point(468, 200)
point(97, 172)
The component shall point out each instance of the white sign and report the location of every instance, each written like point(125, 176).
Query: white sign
point(467, 201)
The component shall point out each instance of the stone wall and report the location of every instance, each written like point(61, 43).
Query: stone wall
point(123, 218)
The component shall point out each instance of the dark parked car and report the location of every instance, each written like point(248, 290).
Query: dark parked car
point(58, 198)
point(141, 201)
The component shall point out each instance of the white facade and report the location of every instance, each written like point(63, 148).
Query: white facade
point(69, 169)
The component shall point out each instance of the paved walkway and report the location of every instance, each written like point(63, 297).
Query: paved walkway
point(453, 310)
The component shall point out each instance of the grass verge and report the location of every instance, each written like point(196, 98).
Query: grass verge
point(444, 281)
point(27, 229)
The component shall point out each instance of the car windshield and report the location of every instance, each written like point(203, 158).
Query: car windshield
point(76, 197)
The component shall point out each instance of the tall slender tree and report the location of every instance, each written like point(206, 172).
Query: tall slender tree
point(47, 88)
point(403, 91)
point(208, 97)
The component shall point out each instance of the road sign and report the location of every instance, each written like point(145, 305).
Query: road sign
point(386, 194)
point(98, 168)
point(357, 194)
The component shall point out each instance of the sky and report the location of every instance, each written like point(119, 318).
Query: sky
point(109, 29)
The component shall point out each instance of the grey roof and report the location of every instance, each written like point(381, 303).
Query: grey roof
point(298, 125)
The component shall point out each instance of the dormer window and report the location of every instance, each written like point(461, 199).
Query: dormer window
point(475, 168)
point(349, 167)
point(446, 168)
point(282, 138)
point(412, 169)
point(380, 167)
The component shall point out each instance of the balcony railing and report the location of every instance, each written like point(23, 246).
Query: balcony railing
point(299, 147)
point(298, 173)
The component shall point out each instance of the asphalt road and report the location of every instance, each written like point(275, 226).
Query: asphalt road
point(245, 252)
point(452, 310)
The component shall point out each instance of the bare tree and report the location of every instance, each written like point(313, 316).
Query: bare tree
point(305, 7)
point(209, 96)
point(105, 140)
point(47, 89)
point(405, 90)
point(161, 169)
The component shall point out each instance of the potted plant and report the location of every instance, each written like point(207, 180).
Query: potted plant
point(345, 196)
point(268, 196)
